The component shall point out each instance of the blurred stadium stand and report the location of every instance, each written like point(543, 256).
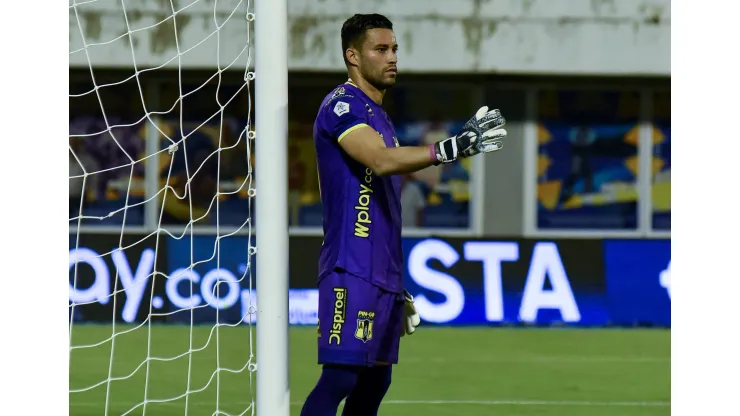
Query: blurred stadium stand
point(585, 116)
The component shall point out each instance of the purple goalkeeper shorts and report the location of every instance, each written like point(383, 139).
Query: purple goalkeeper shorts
point(359, 323)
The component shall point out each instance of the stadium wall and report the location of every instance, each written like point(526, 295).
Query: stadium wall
point(553, 37)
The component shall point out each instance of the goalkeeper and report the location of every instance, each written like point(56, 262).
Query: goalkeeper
point(363, 307)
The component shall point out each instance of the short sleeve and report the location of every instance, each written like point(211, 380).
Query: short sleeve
point(343, 115)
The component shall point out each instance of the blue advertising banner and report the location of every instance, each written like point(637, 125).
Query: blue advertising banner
point(454, 281)
point(638, 279)
point(108, 273)
point(216, 285)
point(473, 282)
point(233, 264)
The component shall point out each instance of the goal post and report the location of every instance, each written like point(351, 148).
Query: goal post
point(271, 213)
point(173, 102)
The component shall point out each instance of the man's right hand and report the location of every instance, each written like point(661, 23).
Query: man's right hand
point(411, 318)
point(481, 134)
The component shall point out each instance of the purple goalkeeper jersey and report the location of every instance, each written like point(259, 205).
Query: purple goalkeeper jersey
point(362, 211)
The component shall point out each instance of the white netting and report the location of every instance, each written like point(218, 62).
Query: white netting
point(170, 180)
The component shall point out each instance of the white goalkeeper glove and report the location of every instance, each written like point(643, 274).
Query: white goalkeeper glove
point(481, 134)
point(410, 317)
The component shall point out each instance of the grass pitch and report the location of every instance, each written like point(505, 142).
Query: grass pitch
point(442, 371)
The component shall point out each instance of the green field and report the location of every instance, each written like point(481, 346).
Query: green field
point(442, 371)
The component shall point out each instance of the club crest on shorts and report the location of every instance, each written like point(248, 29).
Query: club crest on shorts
point(364, 331)
point(341, 108)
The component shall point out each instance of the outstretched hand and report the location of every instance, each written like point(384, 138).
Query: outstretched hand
point(481, 134)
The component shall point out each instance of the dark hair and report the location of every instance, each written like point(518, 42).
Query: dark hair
point(354, 28)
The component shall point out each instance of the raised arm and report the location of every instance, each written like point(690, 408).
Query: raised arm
point(481, 134)
point(366, 146)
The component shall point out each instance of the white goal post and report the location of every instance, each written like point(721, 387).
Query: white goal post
point(271, 89)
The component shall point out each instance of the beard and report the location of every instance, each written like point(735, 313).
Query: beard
point(380, 79)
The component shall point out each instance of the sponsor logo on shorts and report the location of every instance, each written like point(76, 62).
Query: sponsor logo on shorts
point(364, 331)
point(340, 308)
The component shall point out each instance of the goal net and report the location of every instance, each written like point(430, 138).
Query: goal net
point(161, 253)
